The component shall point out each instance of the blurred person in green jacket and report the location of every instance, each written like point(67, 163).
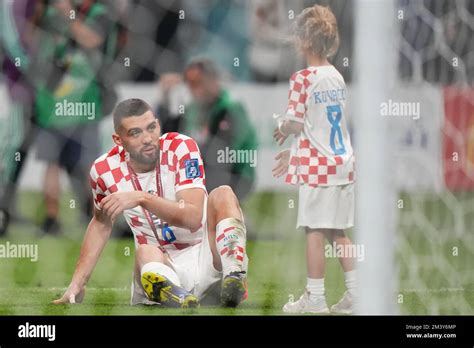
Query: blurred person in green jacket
point(220, 125)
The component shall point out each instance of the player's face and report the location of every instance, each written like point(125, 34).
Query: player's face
point(139, 135)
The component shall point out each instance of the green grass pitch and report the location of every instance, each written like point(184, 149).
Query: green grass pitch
point(277, 266)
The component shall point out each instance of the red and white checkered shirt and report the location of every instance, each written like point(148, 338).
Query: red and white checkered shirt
point(321, 155)
point(181, 167)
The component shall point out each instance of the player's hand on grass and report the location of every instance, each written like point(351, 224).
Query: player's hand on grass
point(113, 205)
point(281, 168)
point(73, 294)
point(279, 136)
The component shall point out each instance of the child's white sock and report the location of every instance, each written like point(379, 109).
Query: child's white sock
point(315, 288)
point(161, 269)
point(230, 240)
point(350, 278)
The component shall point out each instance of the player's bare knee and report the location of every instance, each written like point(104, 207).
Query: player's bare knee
point(222, 195)
point(148, 253)
point(142, 251)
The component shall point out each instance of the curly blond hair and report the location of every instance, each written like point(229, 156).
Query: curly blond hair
point(316, 31)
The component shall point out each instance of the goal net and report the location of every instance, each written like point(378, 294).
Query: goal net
point(430, 113)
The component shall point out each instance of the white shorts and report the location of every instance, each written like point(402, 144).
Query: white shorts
point(194, 268)
point(326, 206)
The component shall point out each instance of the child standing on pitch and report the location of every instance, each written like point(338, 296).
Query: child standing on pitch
point(321, 160)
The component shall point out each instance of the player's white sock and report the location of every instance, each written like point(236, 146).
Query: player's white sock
point(161, 269)
point(350, 278)
point(315, 287)
point(230, 240)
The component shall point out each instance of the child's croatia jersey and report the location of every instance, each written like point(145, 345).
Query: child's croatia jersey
point(322, 154)
point(181, 168)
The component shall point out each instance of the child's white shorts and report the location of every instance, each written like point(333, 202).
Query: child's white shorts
point(326, 206)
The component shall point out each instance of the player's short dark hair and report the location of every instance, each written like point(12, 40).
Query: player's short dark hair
point(205, 65)
point(127, 108)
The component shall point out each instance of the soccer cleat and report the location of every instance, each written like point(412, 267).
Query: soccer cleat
point(345, 304)
point(305, 305)
point(234, 289)
point(160, 289)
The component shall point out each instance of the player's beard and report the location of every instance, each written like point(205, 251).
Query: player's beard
point(143, 158)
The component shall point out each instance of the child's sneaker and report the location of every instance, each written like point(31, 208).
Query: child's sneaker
point(305, 305)
point(345, 304)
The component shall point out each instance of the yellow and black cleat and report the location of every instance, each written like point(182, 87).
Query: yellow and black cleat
point(234, 289)
point(162, 290)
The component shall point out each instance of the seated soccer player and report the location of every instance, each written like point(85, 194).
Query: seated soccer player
point(186, 240)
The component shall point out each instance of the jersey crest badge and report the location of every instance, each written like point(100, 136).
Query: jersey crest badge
point(192, 168)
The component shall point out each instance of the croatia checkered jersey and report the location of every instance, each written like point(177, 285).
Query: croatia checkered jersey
point(181, 168)
point(321, 155)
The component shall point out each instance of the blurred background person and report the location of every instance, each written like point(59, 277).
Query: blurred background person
point(219, 124)
point(77, 41)
point(17, 30)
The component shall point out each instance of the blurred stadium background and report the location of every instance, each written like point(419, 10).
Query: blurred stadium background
point(432, 156)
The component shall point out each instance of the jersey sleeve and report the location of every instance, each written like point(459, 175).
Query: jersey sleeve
point(297, 98)
point(189, 166)
point(98, 186)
